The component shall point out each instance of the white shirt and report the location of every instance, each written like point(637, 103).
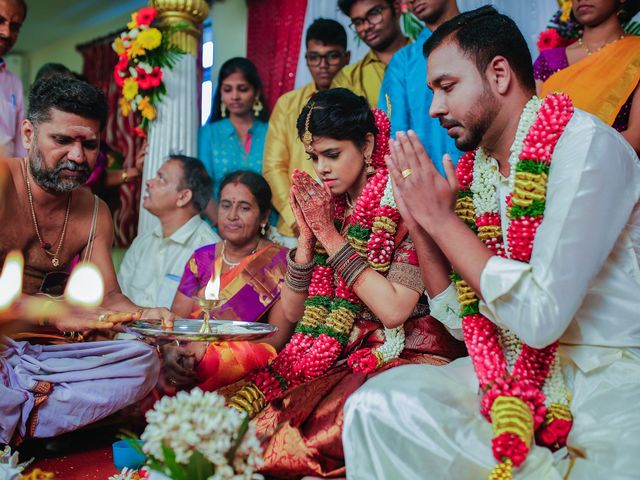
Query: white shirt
point(11, 113)
point(152, 267)
point(582, 285)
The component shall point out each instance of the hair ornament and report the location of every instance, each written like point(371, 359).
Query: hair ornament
point(307, 137)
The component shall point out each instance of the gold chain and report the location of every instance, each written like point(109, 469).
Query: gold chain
point(235, 264)
point(54, 261)
point(590, 52)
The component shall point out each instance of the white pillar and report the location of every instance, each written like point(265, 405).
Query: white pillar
point(175, 130)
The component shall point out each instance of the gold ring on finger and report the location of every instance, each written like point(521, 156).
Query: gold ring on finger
point(406, 172)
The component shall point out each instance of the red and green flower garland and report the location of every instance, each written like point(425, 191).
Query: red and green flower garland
point(332, 307)
point(523, 389)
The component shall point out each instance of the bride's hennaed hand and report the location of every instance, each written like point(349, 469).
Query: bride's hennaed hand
point(306, 238)
point(315, 204)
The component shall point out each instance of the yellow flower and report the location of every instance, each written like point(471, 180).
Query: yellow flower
point(130, 88)
point(147, 109)
point(133, 23)
point(125, 107)
point(150, 38)
point(135, 50)
point(118, 46)
point(565, 6)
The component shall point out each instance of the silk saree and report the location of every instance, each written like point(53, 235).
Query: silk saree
point(248, 292)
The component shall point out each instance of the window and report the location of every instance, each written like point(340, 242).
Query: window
point(207, 69)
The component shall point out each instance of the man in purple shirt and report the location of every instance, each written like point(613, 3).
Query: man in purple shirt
point(12, 15)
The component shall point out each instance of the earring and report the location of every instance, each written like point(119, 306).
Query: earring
point(223, 109)
point(257, 107)
point(263, 230)
point(367, 162)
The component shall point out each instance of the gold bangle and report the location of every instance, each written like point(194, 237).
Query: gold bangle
point(125, 176)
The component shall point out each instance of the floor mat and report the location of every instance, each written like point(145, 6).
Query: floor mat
point(81, 455)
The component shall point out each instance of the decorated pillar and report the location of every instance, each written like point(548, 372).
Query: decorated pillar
point(175, 129)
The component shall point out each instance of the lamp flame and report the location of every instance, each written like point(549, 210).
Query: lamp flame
point(85, 287)
point(212, 292)
point(11, 279)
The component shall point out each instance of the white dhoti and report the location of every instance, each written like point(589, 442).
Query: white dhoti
point(46, 390)
point(424, 422)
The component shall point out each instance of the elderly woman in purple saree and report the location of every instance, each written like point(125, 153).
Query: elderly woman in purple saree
point(251, 272)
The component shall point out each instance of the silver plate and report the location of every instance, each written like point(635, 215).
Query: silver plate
point(187, 329)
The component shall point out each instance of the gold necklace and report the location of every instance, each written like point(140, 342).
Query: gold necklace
point(235, 264)
point(590, 52)
point(45, 246)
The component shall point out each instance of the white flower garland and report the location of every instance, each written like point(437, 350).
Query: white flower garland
point(393, 344)
point(201, 421)
point(393, 337)
point(387, 197)
point(485, 200)
point(527, 120)
point(485, 173)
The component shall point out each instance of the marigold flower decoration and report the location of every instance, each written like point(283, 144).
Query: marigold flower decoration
point(144, 51)
point(332, 307)
point(524, 394)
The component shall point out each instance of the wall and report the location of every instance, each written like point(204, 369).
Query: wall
point(229, 20)
point(64, 50)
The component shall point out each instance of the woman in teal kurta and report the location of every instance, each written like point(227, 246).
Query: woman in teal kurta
point(234, 138)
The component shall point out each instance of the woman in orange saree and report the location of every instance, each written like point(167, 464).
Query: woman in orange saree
point(601, 71)
point(353, 286)
point(251, 276)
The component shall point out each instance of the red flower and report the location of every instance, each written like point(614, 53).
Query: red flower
point(123, 63)
point(363, 361)
point(549, 38)
point(554, 435)
point(145, 16)
point(146, 80)
point(155, 77)
point(509, 445)
point(140, 132)
point(143, 79)
point(118, 79)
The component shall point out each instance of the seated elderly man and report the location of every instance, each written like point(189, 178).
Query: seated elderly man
point(46, 390)
point(152, 268)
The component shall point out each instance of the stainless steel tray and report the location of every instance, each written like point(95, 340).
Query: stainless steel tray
point(187, 329)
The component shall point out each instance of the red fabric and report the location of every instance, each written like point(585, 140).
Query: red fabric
point(95, 464)
point(99, 60)
point(273, 43)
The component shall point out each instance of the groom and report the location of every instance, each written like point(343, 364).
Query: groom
point(575, 277)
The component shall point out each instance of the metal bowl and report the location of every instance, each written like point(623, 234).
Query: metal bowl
point(187, 329)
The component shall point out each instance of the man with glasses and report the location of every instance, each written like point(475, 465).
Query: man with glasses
point(403, 87)
point(46, 390)
point(327, 53)
point(377, 24)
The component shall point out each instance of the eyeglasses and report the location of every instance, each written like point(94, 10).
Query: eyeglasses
point(333, 58)
point(374, 17)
